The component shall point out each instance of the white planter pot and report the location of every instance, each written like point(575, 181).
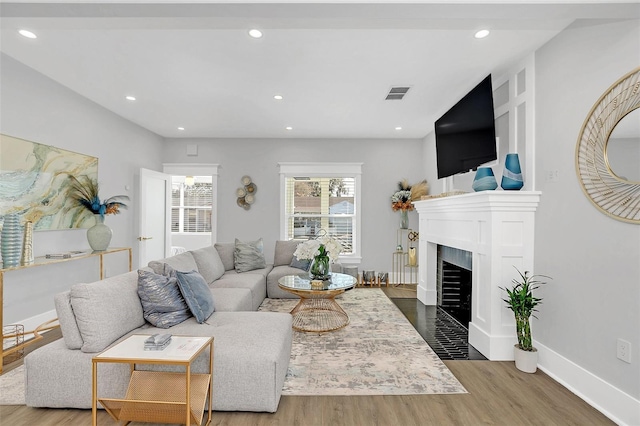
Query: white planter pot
point(526, 361)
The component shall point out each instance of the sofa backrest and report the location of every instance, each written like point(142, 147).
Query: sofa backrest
point(209, 263)
point(284, 252)
point(67, 319)
point(226, 250)
point(183, 262)
point(106, 310)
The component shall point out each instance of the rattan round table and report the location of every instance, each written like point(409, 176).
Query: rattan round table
point(317, 310)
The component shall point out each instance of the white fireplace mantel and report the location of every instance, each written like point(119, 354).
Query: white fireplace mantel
point(497, 227)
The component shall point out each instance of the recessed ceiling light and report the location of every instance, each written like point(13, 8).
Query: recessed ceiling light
point(289, 128)
point(27, 34)
point(180, 128)
point(130, 98)
point(481, 34)
point(255, 33)
point(278, 97)
point(398, 128)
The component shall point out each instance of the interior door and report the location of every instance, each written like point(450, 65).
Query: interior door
point(154, 225)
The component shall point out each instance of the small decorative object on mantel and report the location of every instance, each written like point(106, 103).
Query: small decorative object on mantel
point(246, 194)
point(85, 191)
point(322, 251)
point(11, 240)
point(523, 304)
point(402, 199)
point(484, 180)
point(512, 175)
point(27, 245)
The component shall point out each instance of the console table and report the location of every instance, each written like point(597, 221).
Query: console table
point(43, 261)
point(497, 227)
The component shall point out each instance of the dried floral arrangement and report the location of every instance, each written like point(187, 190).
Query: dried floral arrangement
point(402, 199)
point(85, 191)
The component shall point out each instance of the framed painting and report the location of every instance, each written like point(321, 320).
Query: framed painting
point(34, 183)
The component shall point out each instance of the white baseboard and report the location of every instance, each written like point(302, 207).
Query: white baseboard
point(31, 323)
point(617, 405)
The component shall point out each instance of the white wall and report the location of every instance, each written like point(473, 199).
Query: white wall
point(594, 260)
point(385, 162)
point(35, 108)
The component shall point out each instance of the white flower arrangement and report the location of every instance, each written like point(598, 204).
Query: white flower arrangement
point(321, 246)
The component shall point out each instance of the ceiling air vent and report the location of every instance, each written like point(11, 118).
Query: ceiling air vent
point(397, 93)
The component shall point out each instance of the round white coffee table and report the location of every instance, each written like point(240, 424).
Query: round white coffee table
point(317, 310)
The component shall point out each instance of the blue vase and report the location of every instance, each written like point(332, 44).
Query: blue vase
point(484, 180)
point(512, 175)
point(11, 241)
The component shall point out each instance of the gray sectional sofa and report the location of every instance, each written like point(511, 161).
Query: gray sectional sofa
point(251, 349)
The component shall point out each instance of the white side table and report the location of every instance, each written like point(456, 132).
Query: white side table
point(154, 396)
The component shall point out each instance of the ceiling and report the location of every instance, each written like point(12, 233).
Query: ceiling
point(195, 66)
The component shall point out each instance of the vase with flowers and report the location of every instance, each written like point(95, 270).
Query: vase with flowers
point(84, 191)
point(322, 251)
point(402, 199)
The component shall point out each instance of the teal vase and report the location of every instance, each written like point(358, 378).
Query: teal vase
point(512, 174)
point(11, 241)
point(484, 180)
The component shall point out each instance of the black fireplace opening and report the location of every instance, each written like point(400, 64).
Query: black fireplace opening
point(455, 292)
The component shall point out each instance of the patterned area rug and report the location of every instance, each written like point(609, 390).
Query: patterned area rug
point(378, 353)
point(12, 387)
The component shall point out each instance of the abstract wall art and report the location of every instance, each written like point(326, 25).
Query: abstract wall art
point(34, 183)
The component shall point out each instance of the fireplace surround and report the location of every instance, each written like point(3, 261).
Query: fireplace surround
point(497, 227)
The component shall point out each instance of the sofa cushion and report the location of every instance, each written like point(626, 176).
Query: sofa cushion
point(225, 250)
point(232, 299)
point(284, 252)
point(249, 255)
point(180, 262)
point(210, 265)
point(106, 310)
point(66, 318)
point(256, 283)
point(273, 289)
point(197, 295)
point(162, 301)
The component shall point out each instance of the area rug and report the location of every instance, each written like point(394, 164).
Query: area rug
point(378, 353)
point(12, 387)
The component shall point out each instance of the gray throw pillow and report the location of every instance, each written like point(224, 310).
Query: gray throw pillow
point(300, 264)
point(162, 302)
point(249, 255)
point(196, 293)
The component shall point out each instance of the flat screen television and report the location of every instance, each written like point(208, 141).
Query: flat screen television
point(466, 135)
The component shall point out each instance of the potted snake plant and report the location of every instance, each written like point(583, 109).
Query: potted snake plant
point(523, 304)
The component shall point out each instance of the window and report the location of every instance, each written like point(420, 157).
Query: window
point(322, 196)
point(191, 204)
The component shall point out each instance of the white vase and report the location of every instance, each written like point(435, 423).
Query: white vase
point(99, 235)
point(526, 361)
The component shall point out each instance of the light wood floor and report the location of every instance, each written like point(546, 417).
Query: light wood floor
point(498, 395)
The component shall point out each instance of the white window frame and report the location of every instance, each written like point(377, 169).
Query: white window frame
point(352, 170)
point(196, 169)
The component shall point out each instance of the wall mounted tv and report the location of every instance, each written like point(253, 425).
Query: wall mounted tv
point(466, 135)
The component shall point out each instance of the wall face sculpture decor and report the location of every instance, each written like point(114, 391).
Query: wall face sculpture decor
point(614, 194)
point(34, 183)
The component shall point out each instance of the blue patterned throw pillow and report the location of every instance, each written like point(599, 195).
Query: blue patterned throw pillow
point(196, 293)
point(162, 303)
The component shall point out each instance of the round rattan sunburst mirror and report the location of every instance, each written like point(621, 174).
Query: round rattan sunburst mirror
point(614, 195)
